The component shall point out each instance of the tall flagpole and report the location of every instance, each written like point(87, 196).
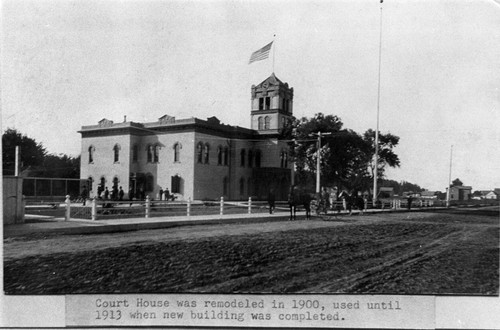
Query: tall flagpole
point(375, 174)
point(274, 49)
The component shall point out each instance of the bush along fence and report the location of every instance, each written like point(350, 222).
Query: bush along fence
point(98, 209)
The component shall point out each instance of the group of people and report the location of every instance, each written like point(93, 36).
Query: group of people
point(324, 201)
point(116, 194)
point(352, 200)
point(165, 195)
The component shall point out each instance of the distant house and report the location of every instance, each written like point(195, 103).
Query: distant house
point(489, 194)
point(497, 191)
point(428, 194)
point(407, 194)
point(386, 192)
point(460, 193)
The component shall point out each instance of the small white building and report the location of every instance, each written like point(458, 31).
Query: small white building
point(489, 194)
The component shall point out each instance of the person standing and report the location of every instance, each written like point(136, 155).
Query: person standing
point(106, 193)
point(360, 202)
point(161, 194)
point(410, 199)
point(84, 195)
point(120, 194)
point(271, 200)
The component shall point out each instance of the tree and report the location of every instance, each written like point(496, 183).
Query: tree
point(61, 166)
point(35, 157)
point(386, 155)
point(342, 151)
point(32, 152)
point(401, 187)
point(346, 156)
point(457, 183)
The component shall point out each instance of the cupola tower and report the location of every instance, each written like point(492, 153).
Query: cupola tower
point(272, 105)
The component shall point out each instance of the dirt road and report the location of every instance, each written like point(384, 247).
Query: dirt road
point(415, 253)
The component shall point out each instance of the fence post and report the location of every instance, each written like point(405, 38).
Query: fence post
point(189, 207)
point(249, 205)
point(93, 212)
point(222, 205)
point(68, 208)
point(148, 206)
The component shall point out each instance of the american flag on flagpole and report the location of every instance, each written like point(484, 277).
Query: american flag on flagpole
point(261, 54)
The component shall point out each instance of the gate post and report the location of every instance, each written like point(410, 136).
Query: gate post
point(148, 206)
point(189, 207)
point(222, 205)
point(93, 211)
point(68, 208)
point(249, 205)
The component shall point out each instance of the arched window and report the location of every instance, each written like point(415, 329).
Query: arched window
point(135, 153)
point(199, 152)
point(226, 156)
point(267, 122)
point(242, 186)
point(219, 155)
point(177, 152)
point(149, 151)
point(242, 157)
point(284, 158)
point(116, 150)
point(156, 153)
point(257, 158)
point(91, 154)
point(261, 123)
point(206, 153)
point(250, 158)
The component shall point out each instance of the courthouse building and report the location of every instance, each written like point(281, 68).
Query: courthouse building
point(195, 158)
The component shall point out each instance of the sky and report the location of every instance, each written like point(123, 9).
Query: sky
point(66, 64)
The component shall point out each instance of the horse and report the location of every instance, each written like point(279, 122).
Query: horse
point(352, 200)
point(297, 197)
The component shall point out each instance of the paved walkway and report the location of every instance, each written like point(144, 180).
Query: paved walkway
point(78, 226)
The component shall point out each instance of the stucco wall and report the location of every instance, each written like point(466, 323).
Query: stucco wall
point(103, 164)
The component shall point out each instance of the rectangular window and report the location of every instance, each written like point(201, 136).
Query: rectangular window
point(176, 184)
point(261, 103)
point(268, 103)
